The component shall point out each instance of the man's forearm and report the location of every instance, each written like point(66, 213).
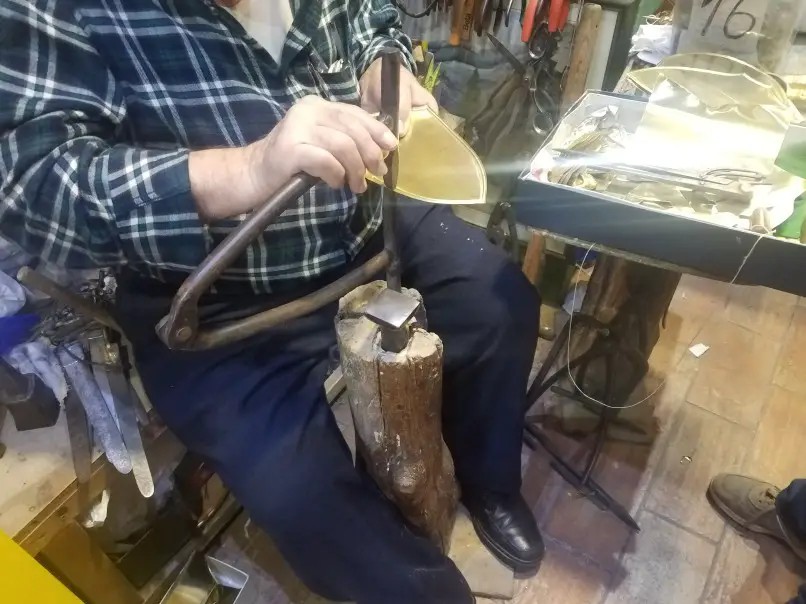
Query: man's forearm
point(223, 182)
point(375, 25)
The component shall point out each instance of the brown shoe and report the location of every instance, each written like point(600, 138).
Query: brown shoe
point(750, 505)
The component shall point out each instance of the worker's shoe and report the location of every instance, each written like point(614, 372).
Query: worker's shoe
point(506, 526)
point(750, 505)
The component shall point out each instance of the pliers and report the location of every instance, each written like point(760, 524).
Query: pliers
point(533, 16)
point(558, 14)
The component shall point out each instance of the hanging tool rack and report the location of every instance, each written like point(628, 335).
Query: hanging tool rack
point(480, 16)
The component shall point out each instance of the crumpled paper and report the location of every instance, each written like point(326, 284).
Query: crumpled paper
point(653, 43)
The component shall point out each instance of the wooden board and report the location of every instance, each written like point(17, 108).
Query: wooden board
point(35, 474)
point(23, 581)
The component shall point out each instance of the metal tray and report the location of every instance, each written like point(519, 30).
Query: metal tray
point(691, 245)
point(205, 580)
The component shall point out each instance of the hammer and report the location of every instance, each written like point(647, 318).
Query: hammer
point(392, 309)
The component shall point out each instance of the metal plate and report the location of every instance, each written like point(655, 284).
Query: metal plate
point(115, 388)
point(391, 309)
point(435, 165)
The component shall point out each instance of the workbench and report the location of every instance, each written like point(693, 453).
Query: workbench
point(42, 504)
point(39, 494)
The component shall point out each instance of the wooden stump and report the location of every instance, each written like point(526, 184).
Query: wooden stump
point(396, 402)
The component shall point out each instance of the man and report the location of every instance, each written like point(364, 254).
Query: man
point(136, 134)
point(762, 508)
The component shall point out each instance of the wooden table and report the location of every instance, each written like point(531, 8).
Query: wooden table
point(39, 494)
point(41, 503)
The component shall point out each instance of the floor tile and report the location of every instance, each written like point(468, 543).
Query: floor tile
point(538, 477)
point(729, 394)
point(696, 296)
point(789, 372)
point(564, 578)
point(667, 356)
point(701, 446)
point(764, 311)
point(663, 565)
point(577, 522)
point(753, 572)
point(657, 415)
point(624, 471)
point(777, 452)
point(683, 327)
point(738, 349)
point(484, 573)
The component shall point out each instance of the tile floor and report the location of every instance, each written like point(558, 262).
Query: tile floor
point(740, 407)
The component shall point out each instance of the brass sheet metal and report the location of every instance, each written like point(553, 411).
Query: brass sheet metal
point(436, 165)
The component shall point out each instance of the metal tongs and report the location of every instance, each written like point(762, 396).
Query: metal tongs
point(180, 328)
point(711, 183)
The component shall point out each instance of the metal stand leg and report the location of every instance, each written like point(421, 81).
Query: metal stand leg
point(608, 346)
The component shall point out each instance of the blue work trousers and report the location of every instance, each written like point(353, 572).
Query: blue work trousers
point(256, 410)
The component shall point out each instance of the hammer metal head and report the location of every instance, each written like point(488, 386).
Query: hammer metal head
point(391, 309)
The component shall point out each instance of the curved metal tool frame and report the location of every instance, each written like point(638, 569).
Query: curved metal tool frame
point(180, 329)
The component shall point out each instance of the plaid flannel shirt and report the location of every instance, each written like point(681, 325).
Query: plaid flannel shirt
point(101, 102)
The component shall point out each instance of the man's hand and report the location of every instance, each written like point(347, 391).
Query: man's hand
point(332, 141)
point(411, 93)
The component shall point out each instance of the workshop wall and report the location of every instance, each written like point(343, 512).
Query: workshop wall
point(468, 73)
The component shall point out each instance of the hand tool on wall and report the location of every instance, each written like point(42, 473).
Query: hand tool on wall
point(508, 13)
point(468, 12)
point(483, 16)
point(456, 22)
point(531, 16)
point(558, 15)
point(534, 82)
point(499, 15)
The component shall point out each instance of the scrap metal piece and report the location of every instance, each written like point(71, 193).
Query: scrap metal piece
point(80, 379)
point(112, 382)
point(205, 580)
point(78, 430)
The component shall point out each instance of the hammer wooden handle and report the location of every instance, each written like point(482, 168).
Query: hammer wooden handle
point(587, 30)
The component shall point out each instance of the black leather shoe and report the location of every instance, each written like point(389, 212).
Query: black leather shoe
point(506, 526)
